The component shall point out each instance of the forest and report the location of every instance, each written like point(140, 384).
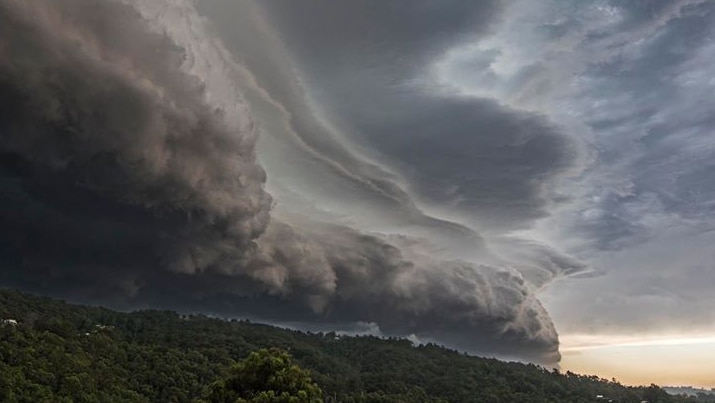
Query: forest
point(52, 351)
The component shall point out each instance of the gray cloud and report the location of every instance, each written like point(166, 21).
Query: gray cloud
point(585, 127)
point(128, 180)
point(394, 284)
point(663, 286)
point(401, 35)
point(568, 137)
point(632, 80)
point(491, 163)
point(472, 155)
point(653, 134)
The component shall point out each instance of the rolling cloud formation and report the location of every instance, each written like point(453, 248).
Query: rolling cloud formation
point(129, 171)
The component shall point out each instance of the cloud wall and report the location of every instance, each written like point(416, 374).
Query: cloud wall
point(129, 176)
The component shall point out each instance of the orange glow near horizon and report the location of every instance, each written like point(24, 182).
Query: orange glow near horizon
point(664, 360)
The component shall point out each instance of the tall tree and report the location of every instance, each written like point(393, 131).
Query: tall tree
point(267, 376)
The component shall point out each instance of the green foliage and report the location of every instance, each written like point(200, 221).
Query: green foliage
point(267, 376)
point(63, 353)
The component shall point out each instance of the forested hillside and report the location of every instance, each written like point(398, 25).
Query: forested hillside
point(51, 351)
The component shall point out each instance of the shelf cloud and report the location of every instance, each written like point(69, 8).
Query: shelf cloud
point(134, 172)
point(430, 169)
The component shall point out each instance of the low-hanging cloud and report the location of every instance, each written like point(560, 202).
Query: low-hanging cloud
point(128, 177)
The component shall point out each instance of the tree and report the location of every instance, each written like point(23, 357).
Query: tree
point(266, 376)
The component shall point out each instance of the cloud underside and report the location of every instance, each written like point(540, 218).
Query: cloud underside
point(127, 179)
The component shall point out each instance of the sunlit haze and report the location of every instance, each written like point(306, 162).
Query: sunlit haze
point(664, 360)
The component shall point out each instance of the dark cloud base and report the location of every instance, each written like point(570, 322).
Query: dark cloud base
point(120, 184)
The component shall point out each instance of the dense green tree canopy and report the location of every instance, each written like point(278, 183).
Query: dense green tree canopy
point(63, 353)
point(266, 376)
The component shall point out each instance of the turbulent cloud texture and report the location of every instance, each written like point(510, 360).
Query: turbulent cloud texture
point(423, 168)
point(630, 80)
point(129, 171)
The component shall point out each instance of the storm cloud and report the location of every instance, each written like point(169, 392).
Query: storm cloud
point(630, 81)
point(556, 138)
point(130, 175)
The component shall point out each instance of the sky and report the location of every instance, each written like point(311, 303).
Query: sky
point(530, 180)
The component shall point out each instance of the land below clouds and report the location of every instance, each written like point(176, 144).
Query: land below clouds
point(51, 350)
